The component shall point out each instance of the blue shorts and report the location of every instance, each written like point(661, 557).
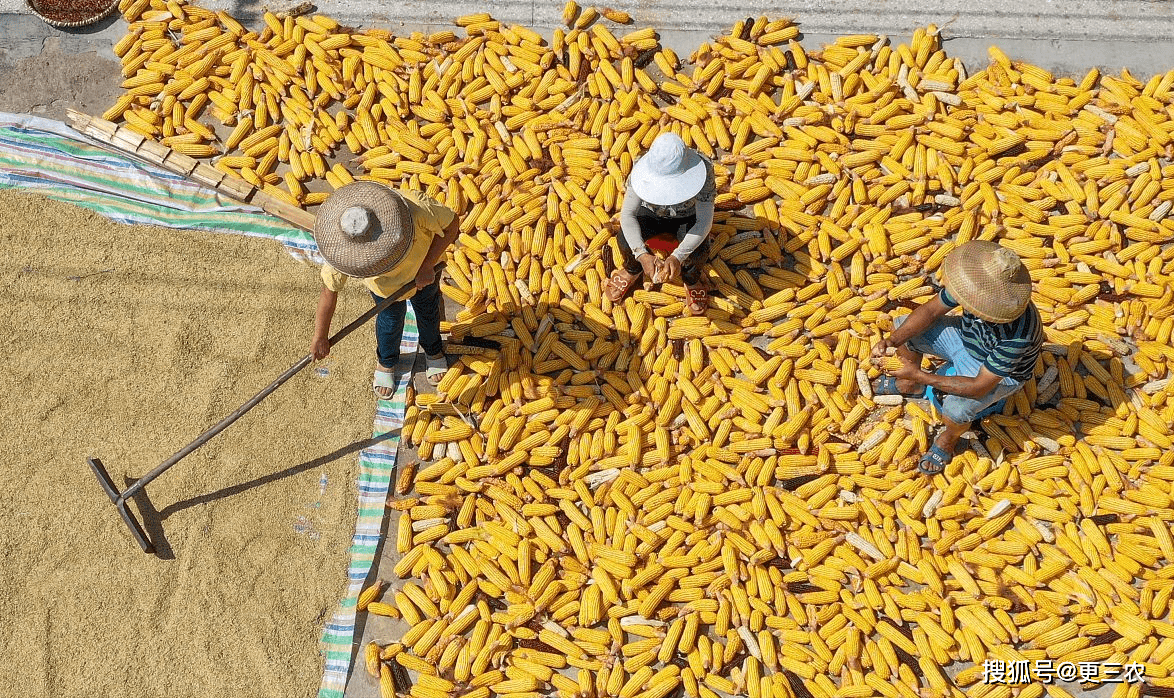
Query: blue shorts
point(943, 339)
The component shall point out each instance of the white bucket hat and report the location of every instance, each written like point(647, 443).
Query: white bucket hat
point(669, 173)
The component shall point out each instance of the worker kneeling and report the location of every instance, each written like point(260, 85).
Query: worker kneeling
point(668, 200)
point(993, 344)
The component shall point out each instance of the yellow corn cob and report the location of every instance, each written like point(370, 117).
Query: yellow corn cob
point(369, 594)
point(386, 682)
point(570, 13)
point(496, 127)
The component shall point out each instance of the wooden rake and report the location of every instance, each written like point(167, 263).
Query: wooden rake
point(121, 499)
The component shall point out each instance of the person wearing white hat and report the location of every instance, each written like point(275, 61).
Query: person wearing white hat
point(669, 193)
point(387, 238)
point(993, 345)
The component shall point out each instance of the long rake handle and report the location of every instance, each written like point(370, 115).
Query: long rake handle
point(265, 392)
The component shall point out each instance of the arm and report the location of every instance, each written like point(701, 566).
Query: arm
point(703, 212)
point(320, 343)
point(696, 234)
point(974, 387)
point(629, 226)
point(427, 272)
point(442, 243)
point(921, 318)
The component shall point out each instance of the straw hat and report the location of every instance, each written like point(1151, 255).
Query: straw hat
point(987, 280)
point(364, 229)
point(669, 173)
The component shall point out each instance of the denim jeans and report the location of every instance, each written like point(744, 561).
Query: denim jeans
point(651, 226)
point(943, 339)
point(389, 324)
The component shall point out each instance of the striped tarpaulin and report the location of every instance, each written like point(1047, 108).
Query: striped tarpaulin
point(376, 466)
point(52, 159)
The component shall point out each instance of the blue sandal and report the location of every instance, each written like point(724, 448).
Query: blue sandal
point(887, 385)
point(934, 461)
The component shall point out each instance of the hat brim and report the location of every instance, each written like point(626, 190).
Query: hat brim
point(660, 190)
point(381, 252)
point(987, 298)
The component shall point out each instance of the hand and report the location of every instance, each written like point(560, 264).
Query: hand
point(425, 276)
point(320, 348)
point(907, 370)
point(881, 348)
point(650, 264)
point(672, 268)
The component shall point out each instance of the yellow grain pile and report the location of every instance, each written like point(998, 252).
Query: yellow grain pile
point(125, 342)
point(644, 502)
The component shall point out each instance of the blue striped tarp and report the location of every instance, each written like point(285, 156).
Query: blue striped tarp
point(52, 159)
point(376, 465)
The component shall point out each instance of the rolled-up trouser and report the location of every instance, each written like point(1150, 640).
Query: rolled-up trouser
point(651, 226)
point(943, 339)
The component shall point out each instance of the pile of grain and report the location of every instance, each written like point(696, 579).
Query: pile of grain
point(129, 365)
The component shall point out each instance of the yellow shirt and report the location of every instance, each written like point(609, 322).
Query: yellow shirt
point(429, 219)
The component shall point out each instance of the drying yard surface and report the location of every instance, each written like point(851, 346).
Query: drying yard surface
point(165, 333)
point(625, 502)
point(622, 501)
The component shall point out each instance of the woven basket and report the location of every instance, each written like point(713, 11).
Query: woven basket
point(98, 16)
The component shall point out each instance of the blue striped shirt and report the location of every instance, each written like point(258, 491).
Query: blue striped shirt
point(1007, 349)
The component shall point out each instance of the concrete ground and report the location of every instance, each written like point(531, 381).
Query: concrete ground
point(44, 71)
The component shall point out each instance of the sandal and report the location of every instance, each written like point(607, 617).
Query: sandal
point(618, 287)
point(698, 301)
point(436, 368)
point(887, 385)
point(934, 461)
point(385, 384)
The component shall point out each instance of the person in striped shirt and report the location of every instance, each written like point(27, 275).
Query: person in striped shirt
point(993, 344)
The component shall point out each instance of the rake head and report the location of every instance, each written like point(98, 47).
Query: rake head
point(119, 500)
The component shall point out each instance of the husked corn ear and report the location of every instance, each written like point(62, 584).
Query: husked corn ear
point(612, 485)
point(386, 682)
point(371, 656)
point(617, 16)
point(369, 594)
point(196, 150)
point(570, 13)
point(382, 609)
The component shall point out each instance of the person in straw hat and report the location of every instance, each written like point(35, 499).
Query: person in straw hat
point(387, 238)
point(993, 344)
point(669, 193)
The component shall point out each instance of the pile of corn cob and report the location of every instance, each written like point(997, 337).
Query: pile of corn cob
point(624, 502)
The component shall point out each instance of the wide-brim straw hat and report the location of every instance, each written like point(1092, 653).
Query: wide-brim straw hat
point(988, 280)
point(669, 173)
point(364, 229)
